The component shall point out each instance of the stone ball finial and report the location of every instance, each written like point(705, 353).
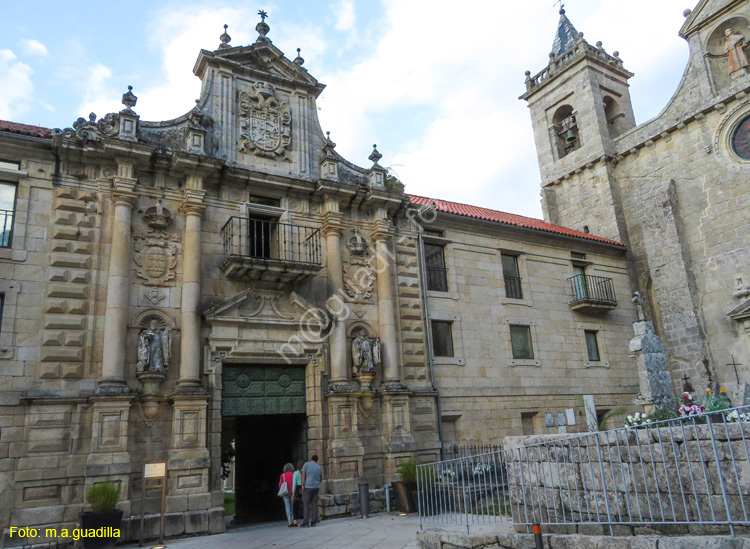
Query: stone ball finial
point(262, 27)
point(225, 39)
point(129, 99)
point(298, 60)
point(375, 156)
point(599, 44)
point(616, 54)
point(528, 74)
point(687, 12)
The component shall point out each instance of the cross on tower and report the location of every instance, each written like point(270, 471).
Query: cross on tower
point(560, 4)
point(734, 364)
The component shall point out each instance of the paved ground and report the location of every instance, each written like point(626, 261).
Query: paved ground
point(381, 530)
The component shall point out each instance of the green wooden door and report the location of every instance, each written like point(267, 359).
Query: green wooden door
point(262, 390)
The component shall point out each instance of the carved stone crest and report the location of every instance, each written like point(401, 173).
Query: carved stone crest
point(91, 129)
point(156, 258)
point(359, 279)
point(265, 122)
point(158, 216)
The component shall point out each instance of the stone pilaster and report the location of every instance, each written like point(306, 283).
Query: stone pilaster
point(332, 229)
point(382, 235)
point(118, 283)
point(345, 450)
point(397, 433)
point(190, 342)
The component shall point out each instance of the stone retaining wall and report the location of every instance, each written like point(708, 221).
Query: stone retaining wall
point(566, 478)
point(340, 505)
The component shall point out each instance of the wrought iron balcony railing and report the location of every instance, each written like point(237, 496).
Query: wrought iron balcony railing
point(256, 246)
point(513, 287)
point(592, 294)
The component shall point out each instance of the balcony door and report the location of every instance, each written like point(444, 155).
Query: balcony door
point(579, 282)
point(259, 236)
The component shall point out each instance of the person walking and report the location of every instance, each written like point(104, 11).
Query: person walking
point(311, 474)
point(286, 481)
point(297, 493)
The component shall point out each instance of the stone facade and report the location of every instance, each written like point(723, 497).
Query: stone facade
point(674, 189)
point(485, 393)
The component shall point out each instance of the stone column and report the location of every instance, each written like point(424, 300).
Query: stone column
point(332, 229)
point(190, 340)
point(118, 283)
point(386, 310)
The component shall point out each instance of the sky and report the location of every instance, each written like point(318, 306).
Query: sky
point(434, 83)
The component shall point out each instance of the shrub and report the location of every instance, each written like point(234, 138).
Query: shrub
point(103, 497)
point(408, 471)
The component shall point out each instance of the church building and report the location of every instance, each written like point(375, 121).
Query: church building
point(225, 291)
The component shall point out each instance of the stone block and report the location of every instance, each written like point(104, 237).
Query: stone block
point(199, 501)
point(196, 522)
point(216, 522)
point(174, 524)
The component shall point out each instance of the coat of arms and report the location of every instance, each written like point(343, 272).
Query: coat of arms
point(155, 257)
point(265, 122)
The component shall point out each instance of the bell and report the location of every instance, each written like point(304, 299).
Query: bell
point(570, 136)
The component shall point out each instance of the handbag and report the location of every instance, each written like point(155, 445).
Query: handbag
point(283, 490)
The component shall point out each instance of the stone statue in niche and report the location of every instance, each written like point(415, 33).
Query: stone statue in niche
point(365, 354)
point(638, 301)
point(733, 45)
point(154, 348)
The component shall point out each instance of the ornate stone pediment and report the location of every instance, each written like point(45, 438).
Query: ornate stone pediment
point(266, 307)
point(265, 122)
point(740, 313)
point(91, 129)
point(156, 258)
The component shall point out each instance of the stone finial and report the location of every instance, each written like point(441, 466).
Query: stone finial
point(129, 99)
point(225, 39)
point(375, 156)
point(328, 145)
point(262, 27)
point(298, 60)
point(687, 12)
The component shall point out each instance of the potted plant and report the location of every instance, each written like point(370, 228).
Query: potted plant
point(101, 525)
point(404, 488)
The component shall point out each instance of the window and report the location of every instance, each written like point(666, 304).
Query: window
point(592, 346)
point(442, 338)
point(7, 211)
point(511, 276)
point(520, 341)
point(434, 256)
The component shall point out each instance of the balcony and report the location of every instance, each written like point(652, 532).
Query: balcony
point(592, 294)
point(267, 250)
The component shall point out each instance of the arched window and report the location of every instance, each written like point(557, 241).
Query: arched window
point(614, 116)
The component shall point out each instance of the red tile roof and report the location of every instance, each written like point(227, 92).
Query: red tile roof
point(24, 129)
point(486, 214)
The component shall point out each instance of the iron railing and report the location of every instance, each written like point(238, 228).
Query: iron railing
point(685, 471)
point(437, 279)
point(513, 287)
point(596, 289)
point(272, 240)
point(6, 222)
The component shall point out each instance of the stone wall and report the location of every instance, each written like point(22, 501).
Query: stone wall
point(565, 478)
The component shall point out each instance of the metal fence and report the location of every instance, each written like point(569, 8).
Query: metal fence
point(684, 471)
point(592, 288)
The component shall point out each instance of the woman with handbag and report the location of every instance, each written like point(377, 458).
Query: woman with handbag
point(285, 490)
point(297, 492)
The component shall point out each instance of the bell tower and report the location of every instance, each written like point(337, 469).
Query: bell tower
point(579, 103)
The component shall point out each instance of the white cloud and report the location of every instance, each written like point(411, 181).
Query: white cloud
point(473, 141)
point(101, 96)
point(346, 18)
point(16, 86)
point(34, 47)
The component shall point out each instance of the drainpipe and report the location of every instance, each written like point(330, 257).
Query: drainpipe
point(428, 332)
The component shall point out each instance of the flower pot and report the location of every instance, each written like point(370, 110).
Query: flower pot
point(103, 526)
point(405, 502)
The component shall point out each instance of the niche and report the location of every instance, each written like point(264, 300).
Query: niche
point(727, 52)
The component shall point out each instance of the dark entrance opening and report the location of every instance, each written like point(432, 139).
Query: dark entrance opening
point(263, 445)
point(264, 427)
